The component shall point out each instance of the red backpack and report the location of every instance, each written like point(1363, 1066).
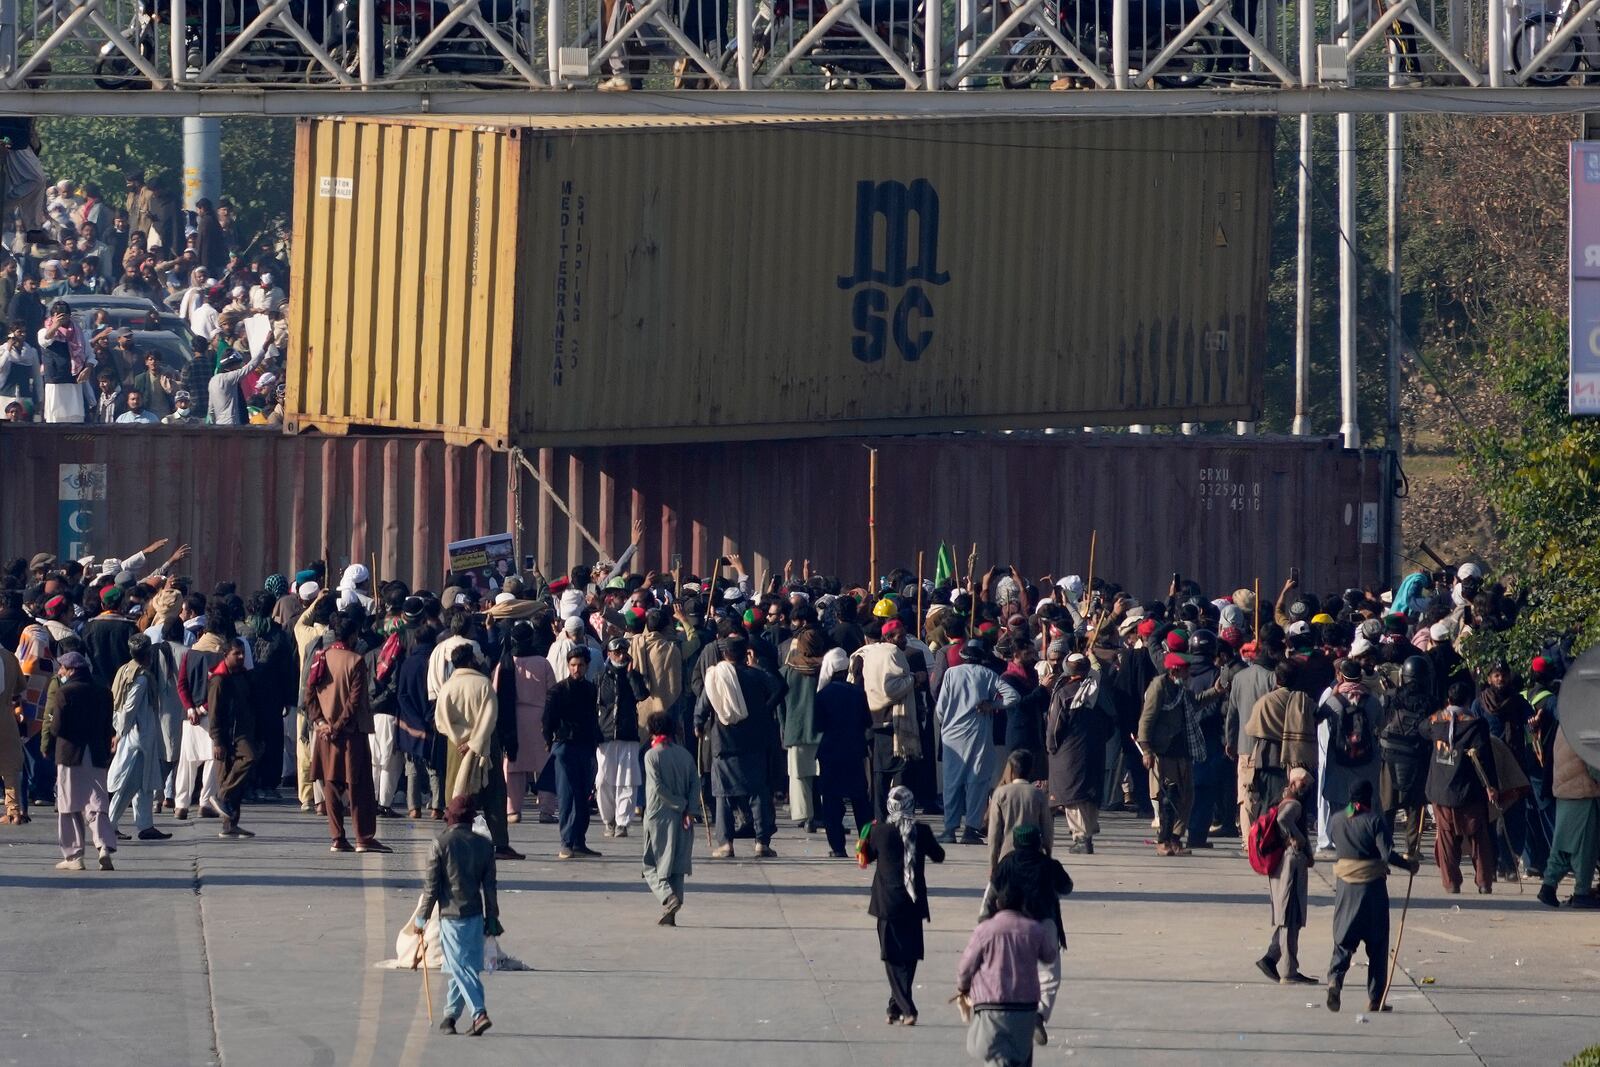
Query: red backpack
point(1265, 843)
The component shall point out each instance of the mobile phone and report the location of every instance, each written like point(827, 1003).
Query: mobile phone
point(677, 561)
point(527, 563)
point(1294, 575)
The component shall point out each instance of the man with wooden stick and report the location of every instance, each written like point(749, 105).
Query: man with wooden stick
point(1361, 892)
point(460, 879)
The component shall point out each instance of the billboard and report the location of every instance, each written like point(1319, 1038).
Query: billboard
point(1583, 259)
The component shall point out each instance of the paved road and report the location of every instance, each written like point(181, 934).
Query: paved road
point(201, 950)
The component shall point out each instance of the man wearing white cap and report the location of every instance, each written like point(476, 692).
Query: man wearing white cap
point(353, 588)
point(571, 635)
point(266, 297)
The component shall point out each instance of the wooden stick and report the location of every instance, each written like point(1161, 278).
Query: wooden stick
point(919, 594)
point(372, 574)
point(1395, 959)
point(1255, 625)
point(872, 517)
point(972, 575)
point(422, 957)
point(1088, 586)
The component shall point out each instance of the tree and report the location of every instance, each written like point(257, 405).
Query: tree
point(257, 159)
point(1539, 468)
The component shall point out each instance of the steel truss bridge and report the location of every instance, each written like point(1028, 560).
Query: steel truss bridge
point(976, 57)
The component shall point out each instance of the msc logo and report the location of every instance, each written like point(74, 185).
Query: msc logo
point(887, 303)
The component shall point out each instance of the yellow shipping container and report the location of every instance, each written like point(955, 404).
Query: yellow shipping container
point(537, 281)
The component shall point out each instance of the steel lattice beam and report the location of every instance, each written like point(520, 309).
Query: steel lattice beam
point(1155, 102)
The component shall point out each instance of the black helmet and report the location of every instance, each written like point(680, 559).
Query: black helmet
point(1416, 670)
point(1203, 643)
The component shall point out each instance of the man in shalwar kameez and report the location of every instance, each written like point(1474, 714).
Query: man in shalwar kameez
point(670, 783)
point(1361, 840)
point(136, 775)
point(969, 695)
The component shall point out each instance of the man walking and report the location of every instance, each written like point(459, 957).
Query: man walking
point(467, 716)
point(1039, 882)
point(842, 721)
point(572, 732)
point(1461, 786)
point(78, 737)
point(232, 710)
point(670, 783)
point(1171, 741)
point(737, 709)
point(460, 880)
point(970, 694)
point(136, 772)
point(341, 717)
point(1361, 893)
point(1289, 885)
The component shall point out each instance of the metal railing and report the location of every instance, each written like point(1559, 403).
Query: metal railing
point(1065, 45)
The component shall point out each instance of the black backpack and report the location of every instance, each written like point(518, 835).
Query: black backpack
point(1352, 742)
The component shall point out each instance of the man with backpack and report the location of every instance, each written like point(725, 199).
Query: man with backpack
point(1347, 744)
point(1404, 751)
point(1280, 849)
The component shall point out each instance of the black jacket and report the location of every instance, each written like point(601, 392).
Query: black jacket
point(1453, 779)
point(889, 897)
point(79, 724)
point(570, 713)
point(1039, 880)
point(758, 732)
point(105, 639)
point(842, 718)
point(230, 707)
point(620, 690)
point(460, 877)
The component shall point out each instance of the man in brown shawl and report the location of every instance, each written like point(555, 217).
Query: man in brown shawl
point(341, 718)
point(1284, 731)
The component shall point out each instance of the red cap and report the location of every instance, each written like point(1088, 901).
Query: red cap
point(1147, 627)
point(892, 627)
point(1174, 661)
point(1176, 642)
point(1540, 665)
point(559, 584)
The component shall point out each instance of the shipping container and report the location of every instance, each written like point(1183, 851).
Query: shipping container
point(1221, 510)
point(583, 281)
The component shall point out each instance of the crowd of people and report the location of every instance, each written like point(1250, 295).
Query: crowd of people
point(206, 349)
point(1311, 729)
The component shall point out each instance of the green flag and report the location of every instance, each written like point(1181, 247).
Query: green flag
point(944, 565)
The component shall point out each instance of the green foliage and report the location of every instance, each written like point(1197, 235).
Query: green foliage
point(1540, 471)
point(257, 159)
point(1589, 1057)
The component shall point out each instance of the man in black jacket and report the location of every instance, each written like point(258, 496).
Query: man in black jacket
point(1040, 882)
point(621, 689)
point(1461, 786)
point(572, 731)
point(106, 637)
point(460, 879)
point(273, 681)
point(231, 718)
point(78, 736)
point(737, 707)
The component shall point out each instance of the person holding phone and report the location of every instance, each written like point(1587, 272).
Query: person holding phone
point(67, 365)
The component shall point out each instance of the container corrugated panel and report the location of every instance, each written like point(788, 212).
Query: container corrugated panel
point(835, 278)
point(1221, 510)
point(1224, 511)
point(251, 502)
point(686, 279)
point(402, 288)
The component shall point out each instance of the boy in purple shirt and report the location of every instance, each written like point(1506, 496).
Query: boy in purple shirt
point(999, 974)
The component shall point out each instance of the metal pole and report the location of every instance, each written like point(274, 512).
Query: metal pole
point(176, 47)
point(555, 34)
point(202, 160)
point(1119, 44)
point(1393, 429)
point(1302, 294)
point(1244, 429)
point(366, 39)
point(1139, 427)
point(1349, 427)
point(932, 43)
point(746, 13)
point(1497, 45)
point(1189, 429)
point(8, 36)
point(966, 34)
